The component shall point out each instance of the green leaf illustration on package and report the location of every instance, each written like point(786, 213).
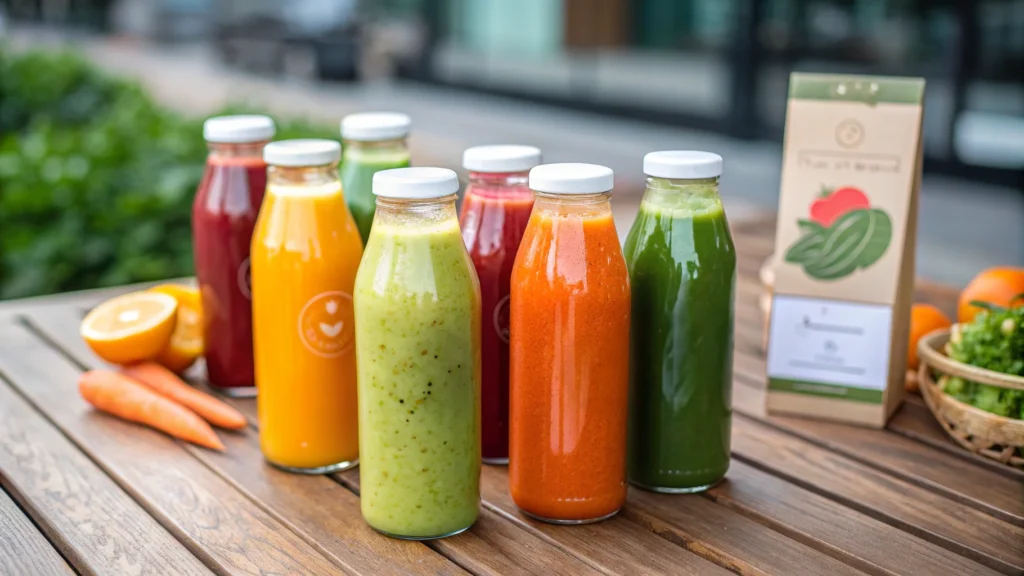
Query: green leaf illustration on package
point(843, 235)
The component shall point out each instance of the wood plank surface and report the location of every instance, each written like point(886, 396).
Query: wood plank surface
point(295, 500)
point(224, 529)
point(23, 549)
point(96, 526)
point(833, 528)
point(921, 512)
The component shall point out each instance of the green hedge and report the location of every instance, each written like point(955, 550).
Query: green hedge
point(96, 180)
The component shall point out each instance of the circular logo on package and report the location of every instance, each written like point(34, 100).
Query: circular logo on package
point(501, 313)
point(326, 324)
point(245, 279)
point(849, 133)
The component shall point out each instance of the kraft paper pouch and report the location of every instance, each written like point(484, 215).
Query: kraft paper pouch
point(844, 272)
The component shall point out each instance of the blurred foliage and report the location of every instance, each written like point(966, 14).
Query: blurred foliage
point(96, 180)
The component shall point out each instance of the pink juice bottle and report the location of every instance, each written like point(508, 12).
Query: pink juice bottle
point(495, 211)
point(223, 217)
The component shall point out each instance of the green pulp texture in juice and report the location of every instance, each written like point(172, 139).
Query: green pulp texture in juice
point(417, 307)
point(357, 170)
point(682, 268)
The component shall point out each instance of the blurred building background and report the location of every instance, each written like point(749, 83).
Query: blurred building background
point(602, 81)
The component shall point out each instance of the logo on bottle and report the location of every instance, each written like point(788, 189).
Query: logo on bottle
point(326, 324)
point(245, 279)
point(501, 314)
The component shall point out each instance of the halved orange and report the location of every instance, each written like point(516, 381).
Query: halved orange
point(131, 327)
point(186, 343)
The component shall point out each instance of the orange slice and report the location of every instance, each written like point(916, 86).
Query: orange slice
point(186, 343)
point(131, 327)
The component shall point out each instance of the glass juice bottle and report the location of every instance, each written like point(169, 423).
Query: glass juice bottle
point(495, 211)
point(223, 216)
point(417, 307)
point(569, 351)
point(374, 141)
point(305, 254)
point(682, 268)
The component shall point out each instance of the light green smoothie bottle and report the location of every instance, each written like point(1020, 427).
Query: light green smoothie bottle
point(373, 141)
point(417, 314)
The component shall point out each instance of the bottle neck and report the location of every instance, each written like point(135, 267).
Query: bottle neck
point(691, 195)
point(243, 151)
point(577, 205)
point(407, 212)
point(302, 175)
point(395, 147)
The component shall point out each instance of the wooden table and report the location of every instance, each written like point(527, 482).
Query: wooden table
point(84, 492)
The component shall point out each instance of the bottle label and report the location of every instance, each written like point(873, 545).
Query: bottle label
point(326, 325)
point(500, 317)
point(244, 279)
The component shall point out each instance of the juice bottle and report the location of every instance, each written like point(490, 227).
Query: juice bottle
point(417, 306)
point(682, 268)
point(374, 141)
point(495, 211)
point(569, 351)
point(305, 254)
point(223, 216)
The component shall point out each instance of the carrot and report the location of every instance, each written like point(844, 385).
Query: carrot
point(168, 384)
point(123, 397)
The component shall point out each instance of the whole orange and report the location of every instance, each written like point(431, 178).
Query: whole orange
point(924, 318)
point(996, 286)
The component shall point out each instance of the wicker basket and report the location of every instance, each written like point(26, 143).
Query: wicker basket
point(979, 431)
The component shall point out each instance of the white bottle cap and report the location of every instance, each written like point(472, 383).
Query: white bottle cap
point(302, 152)
point(238, 129)
point(572, 178)
point(415, 183)
point(683, 164)
point(375, 126)
point(500, 158)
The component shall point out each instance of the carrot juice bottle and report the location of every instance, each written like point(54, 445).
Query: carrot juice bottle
point(223, 216)
point(569, 351)
point(494, 215)
point(305, 253)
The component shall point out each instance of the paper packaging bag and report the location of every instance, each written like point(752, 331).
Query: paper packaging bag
point(844, 274)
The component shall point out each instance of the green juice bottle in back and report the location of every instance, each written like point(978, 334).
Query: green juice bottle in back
point(682, 269)
point(373, 141)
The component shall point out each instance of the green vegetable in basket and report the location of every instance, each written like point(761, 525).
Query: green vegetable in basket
point(994, 340)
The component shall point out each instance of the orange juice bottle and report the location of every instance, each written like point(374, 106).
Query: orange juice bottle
point(305, 252)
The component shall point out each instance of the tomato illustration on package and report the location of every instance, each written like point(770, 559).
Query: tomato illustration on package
point(844, 234)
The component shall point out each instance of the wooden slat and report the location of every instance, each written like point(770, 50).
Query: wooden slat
point(952, 525)
point(612, 547)
point(833, 528)
point(731, 539)
point(337, 528)
point(95, 525)
point(23, 550)
point(214, 521)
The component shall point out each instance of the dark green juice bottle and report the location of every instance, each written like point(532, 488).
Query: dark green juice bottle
point(682, 271)
point(373, 141)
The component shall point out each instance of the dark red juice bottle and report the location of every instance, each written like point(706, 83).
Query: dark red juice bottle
point(223, 216)
point(495, 211)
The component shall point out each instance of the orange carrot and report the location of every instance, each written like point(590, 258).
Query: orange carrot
point(121, 396)
point(167, 383)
